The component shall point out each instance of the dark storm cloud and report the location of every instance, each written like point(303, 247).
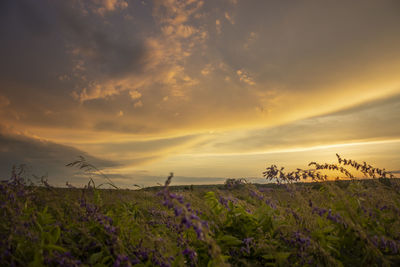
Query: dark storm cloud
point(136, 153)
point(32, 50)
point(37, 37)
point(42, 157)
point(145, 147)
point(42, 44)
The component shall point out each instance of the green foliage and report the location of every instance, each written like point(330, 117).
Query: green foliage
point(333, 223)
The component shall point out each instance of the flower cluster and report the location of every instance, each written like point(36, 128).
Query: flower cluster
point(93, 213)
point(122, 260)
point(386, 245)
point(300, 240)
point(256, 194)
point(188, 217)
point(225, 201)
point(64, 259)
point(336, 218)
point(145, 255)
point(271, 203)
point(248, 243)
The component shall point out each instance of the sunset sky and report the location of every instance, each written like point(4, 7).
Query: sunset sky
point(205, 89)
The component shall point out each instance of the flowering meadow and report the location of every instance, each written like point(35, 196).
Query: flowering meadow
point(302, 219)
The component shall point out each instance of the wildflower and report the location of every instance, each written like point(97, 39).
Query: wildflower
point(247, 242)
point(386, 245)
point(189, 217)
point(122, 260)
point(384, 208)
point(270, 203)
point(190, 253)
point(256, 195)
point(62, 259)
point(336, 218)
point(320, 211)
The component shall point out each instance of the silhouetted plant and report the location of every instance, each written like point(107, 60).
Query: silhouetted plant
point(90, 170)
point(278, 174)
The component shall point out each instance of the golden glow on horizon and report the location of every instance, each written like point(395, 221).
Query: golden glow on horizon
point(298, 149)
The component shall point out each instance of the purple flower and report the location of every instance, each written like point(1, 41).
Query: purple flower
point(384, 208)
point(178, 211)
point(270, 203)
point(199, 231)
point(190, 253)
point(336, 218)
point(188, 217)
point(122, 260)
point(194, 217)
point(224, 201)
point(247, 242)
point(320, 211)
point(384, 244)
point(62, 259)
point(256, 195)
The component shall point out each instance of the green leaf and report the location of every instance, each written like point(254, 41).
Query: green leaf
point(97, 198)
point(268, 257)
point(54, 247)
point(55, 234)
point(282, 256)
point(230, 240)
point(328, 229)
point(94, 258)
point(37, 260)
point(106, 260)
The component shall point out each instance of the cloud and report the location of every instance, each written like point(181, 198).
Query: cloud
point(109, 5)
point(135, 94)
point(66, 42)
point(245, 77)
point(218, 26)
point(138, 104)
point(154, 59)
point(126, 150)
point(174, 12)
point(229, 18)
point(4, 101)
point(371, 121)
point(184, 31)
point(207, 70)
point(43, 157)
point(250, 40)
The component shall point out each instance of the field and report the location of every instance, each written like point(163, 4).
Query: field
point(320, 223)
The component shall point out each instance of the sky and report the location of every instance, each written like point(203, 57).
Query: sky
point(208, 90)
